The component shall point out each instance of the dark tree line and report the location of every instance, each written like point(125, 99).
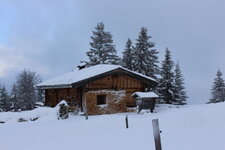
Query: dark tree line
point(23, 95)
point(140, 57)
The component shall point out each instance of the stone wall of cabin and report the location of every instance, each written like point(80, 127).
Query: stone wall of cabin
point(115, 102)
point(120, 82)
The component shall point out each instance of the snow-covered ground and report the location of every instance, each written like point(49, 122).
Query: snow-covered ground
point(191, 127)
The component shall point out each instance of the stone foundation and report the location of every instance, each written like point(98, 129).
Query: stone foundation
point(115, 102)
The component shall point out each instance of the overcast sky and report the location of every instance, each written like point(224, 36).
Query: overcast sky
point(52, 36)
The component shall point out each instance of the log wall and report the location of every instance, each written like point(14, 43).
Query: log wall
point(116, 82)
point(71, 95)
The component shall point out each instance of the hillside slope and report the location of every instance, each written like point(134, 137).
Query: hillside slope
point(193, 127)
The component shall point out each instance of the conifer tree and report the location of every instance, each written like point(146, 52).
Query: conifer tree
point(166, 82)
point(102, 49)
point(146, 59)
point(128, 56)
point(218, 89)
point(14, 98)
point(179, 89)
point(4, 99)
point(25, 90)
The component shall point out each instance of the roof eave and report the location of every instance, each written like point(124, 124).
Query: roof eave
point(45, 87)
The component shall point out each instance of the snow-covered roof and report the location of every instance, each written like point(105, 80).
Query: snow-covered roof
point(145, 94)
point(74, 76)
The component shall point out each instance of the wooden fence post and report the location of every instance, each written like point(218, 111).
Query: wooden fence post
point(86, 114)
point(126, 120)
point(156, 132)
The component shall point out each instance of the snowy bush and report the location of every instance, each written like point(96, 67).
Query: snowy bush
point(62, 110)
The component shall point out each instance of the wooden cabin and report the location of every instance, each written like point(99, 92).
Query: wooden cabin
point(100, 89)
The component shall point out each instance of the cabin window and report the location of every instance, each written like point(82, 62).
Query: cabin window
point(101, 99)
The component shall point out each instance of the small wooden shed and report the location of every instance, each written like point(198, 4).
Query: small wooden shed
point(145, 100)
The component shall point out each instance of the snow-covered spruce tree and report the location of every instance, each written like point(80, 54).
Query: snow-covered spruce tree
point(128, 56)
point(218, 89)
point(2, 105)
point(13, 98)
point(25, 88)
point(166, 82)
point(146, 59)
point(180, 95)
point(102, 50)
point(4, 99)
